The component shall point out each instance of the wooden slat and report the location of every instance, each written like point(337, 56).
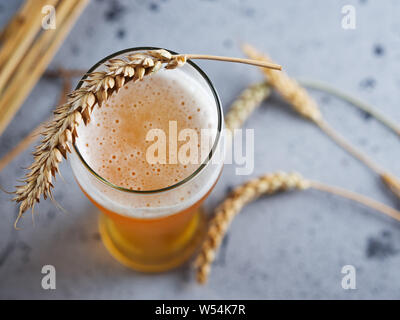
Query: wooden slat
point(16, 21)
point(36, 60)
point(17, 44)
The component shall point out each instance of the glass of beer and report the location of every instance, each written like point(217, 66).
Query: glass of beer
point(134, 162)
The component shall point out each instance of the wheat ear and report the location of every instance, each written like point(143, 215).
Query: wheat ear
point(244, 105)
point(96, 88)
point(305, 105)
point(62, 130)
point(250, 191)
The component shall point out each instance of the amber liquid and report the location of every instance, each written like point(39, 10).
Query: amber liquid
point(155, 244)
point(114, 145)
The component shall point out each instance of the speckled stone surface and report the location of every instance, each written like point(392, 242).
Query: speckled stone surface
point(288, 246)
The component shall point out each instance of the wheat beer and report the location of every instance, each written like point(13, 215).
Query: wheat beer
point(151, 210)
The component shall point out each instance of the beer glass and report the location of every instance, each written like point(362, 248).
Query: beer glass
point(154, 230)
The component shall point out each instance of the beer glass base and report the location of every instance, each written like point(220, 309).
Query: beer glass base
point(141, 259)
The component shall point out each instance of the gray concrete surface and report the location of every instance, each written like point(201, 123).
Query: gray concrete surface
point(289, 246)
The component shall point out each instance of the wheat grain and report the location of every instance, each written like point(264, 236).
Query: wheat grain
point(250, 191)
point(244, 105)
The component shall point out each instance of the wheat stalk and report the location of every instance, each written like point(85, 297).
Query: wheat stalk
point(244, 105)
point(97, 87)
point(250, 191)
point(367, 108)
point(305, 105)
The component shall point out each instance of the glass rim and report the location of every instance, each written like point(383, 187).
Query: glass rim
point(201, 166)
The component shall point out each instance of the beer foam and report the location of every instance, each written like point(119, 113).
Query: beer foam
point(114, 143)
